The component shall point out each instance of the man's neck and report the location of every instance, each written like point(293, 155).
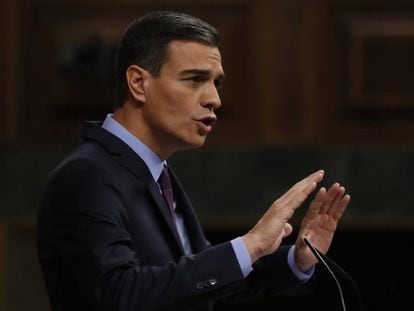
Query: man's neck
point(130, 117)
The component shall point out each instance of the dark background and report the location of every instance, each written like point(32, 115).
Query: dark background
point(310, 84)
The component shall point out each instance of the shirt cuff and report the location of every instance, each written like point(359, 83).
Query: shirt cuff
point(303, 277)
point(242, 256)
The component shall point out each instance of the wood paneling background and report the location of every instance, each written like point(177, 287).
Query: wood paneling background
point(370, 68)
point(325, 83)
point(299, 73)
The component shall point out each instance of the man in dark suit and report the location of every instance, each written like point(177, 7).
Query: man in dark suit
point(116, 230)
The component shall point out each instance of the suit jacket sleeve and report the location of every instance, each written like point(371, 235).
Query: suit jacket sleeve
point(271, 277)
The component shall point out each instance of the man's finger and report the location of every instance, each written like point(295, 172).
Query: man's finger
point(330, 197)
point(306, 185)
point(316, 205)
point(339, 208)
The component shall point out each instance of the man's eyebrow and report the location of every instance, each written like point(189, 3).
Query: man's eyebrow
point(202, 72)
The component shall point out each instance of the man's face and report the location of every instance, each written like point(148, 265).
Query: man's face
point(180, 102)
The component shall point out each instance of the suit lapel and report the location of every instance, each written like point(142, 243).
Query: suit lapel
point(195, 232)
point(138, 167)
point(134, 164)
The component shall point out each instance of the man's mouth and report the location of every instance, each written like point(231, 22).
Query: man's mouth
point(209, 120)
point(205, 124)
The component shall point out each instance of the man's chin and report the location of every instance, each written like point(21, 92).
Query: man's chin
point(196, 143)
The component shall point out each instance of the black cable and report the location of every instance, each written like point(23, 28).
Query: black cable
point(318, 256)
point(337, 268)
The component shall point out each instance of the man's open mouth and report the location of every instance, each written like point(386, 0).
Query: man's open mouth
point(208, 121)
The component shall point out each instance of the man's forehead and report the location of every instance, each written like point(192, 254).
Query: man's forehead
point(190, 55)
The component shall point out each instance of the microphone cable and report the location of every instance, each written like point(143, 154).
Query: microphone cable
point(318, 256)
point(325, 260)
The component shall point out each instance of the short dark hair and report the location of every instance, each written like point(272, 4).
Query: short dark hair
point(145, 43)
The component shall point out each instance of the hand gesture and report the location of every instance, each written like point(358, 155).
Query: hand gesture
point(265, 237)
point(319, 224)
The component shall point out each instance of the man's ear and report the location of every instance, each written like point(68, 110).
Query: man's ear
point(136, 79)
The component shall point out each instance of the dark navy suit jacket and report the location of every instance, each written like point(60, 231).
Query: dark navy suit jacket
point(106, 240)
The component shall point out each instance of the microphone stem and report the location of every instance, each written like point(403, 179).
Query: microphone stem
point(319, 257)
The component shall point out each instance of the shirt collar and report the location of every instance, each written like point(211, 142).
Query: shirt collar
point(154, 163)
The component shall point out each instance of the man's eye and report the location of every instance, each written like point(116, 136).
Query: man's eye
point(196, 79)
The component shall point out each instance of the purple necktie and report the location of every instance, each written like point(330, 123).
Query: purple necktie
point(167, 190)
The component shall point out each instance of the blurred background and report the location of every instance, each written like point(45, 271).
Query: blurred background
point(310, 84)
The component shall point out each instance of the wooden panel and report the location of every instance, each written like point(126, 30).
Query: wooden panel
point(380, 62)
point(2, 68)
point(21, 279)
point(68, 60)
point(364, 79)
point(9, 54)
point(2, 266)
point(278, 71)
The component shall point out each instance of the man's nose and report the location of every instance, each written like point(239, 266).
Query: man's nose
point(211, 100)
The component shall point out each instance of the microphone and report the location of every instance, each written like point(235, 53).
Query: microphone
point(329, 264)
